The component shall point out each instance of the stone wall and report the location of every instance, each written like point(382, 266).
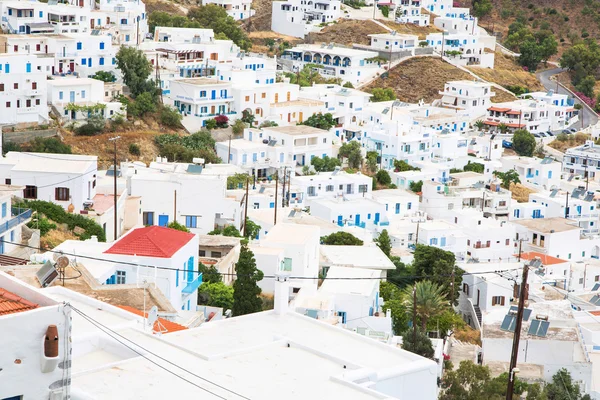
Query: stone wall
point(27, 136)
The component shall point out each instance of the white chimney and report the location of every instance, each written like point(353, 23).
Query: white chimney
point(281, 293)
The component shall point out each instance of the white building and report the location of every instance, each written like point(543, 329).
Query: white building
point(350, 65)
point(544, 173)
point(23, 92)
point(409, 12)
point(36, 331)
point(398, 202)
point(360, 212)
point(21, 17)
point(556, 237)
point(82, 92)
point(582, 161)
point(394, 42)
point(65, 179)
point(170, 192)
point(298, 18)
point(331, 185)
point(468, 95)
point(443, 235)
point(237, 9)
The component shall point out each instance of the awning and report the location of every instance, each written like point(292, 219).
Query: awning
point(177, 51)
point(499, 109)
point(516, 125)
point(513, 112)
point(491, 123)
point(571, 109)
point(40, 25)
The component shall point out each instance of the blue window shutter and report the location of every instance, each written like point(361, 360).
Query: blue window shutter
point(176, 278)
point(79, 46)
point(28, 67)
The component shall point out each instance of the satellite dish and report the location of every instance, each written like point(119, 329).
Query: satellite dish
point(152, 316)
point(62, 262)
point(56, 255)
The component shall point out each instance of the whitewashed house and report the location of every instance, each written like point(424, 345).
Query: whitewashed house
point(237, 9)
point(409, 12)
point(394, 42)
point(68, 180)
point(350, 65)
point(23, 91)
point(468, 95)
point(20, 17)
point(359, 212)
point(298, 18)
point(443, 235)
point(533, 115)
point(398, 203)
point(331, 185)
point(544, 173)
point(28, 319)
point(556, 237)
point(301, 142)
point(582, 161)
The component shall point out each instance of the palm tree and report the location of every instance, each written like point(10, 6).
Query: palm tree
point(503, 128)
point(431, 301)
point(479, 124)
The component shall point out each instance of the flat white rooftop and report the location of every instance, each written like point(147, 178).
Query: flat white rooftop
point(370, 257)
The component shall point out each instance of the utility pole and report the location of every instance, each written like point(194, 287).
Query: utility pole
point(175, 205)
point(567, 206)
point(443, 38)
point(158, 83)
point(276, 188)
point(520, 246)
point(246, 206)
point(283, 190)
point(483, 200)
point(415, 316)
point(417, 235)
point(517, 336)
point(114, 140)
point(452, 291)
point(587, 179)
point(229, 151)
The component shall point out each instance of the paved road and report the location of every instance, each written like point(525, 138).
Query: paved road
point(589, 118)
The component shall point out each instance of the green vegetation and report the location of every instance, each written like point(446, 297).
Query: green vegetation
point(508, 177)
point(136, 69)
point(230, 231)
point(321, 121)
point(246, 292)
point(352, 152)
point(170, 117)
point(341, 239)
point(372, 160)
point(439, 265)
point(384, 243)
point(216, 294)
point(134, 149)
point(105, 76)
point(582, 60)
point(382, 94)
point(252, 229)
point(534, 47)
point(308, 76)
point(481, 8)
point(383, 177)
point(419, 344)
point(430, 301)
point(58, 215)
point(474, 167)
point(523, 142)
point(416, 187)
point(385, 10)
point(401, 166)
point(238, 127)
point(40, 145)
point(177, 226)
point(209, 274)
point(186, 148)
point(237, 181)
point(325, 164)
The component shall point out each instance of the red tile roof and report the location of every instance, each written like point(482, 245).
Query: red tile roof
point(161, 325)
point(10, 303)
point(498, 109)
point(151, 241)
point(546, 260)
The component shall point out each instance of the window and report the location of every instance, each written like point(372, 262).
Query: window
point(4, 208)
point(30, 192)
point(264, 95)
point(466, 289)
point(507, 242)
point(216, 254)
point(329, 188)
point(61, 194)
point(121, 277)
point(8, 104)
point(324, 140)
point(191, 221)
point(363, 188)
point(202, 253)
point(37, 102)
point(79, 45)
point(286, 265)
point(16, 85)
point(1, 87)
point(83, 94)
point(7, 181)
point(148, 218)
point(33, 85)
point(101, 45)
point(497, 300)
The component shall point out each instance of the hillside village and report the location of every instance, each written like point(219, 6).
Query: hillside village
point(296, 199)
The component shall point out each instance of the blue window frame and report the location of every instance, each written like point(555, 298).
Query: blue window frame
point(7, 68)
point(28, 67)
point(190, 269)
point(83, 94)
point(79, 45)
point(60, 95)
point(4, 208)
point(397, 208)
point(191, 221)
point(83, 61)
point(101, 61)
point(12, 236)
point(177, 278)
point(101, 45)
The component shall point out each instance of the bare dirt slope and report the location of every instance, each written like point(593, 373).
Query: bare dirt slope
point(347, 32)
point(411, 29)
point(507, 72)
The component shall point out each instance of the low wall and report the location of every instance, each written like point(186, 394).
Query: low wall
point(396, 54)
point(27, 136)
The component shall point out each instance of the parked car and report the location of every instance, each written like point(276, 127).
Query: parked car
point(549, 133)
point(573, 130)
point(536, 135)
point(506, 144)
point(542, 134)
point(566, 131)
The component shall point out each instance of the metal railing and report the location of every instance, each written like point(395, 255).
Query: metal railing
point(192, 286)
point(19, 216)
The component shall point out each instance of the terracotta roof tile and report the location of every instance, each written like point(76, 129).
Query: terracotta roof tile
point(10, 303)
point(161, 325)
point(546, 260)
point(151, 241)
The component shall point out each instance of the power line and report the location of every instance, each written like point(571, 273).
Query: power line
point(60, 252)
point(106, 330)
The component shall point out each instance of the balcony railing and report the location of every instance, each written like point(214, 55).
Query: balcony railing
point(19, 216)
point(192, 286)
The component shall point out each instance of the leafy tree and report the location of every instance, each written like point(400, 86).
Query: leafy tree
point(222, 121)
point(252, 229)
point(341, 239)
point(170, 117)
point(508, 177)
point(394, 302)
point(46, 145)
point(216, 294)
point(94, 125)
point(446, 321)
point(230, 231)
point(481, 8)
point(135, 68)
point(416, 186)
point(237, 181)
point(401, 275)
point(348, 85)
point(583, 58)
point(105, 76)
point(523, 142)
point(401, 166)
point(321, 121)
point(372, 160)
point(268, 124)
point(422, 346)
point(212, 16)
point(210, 124)
point(210, 274)
point(384, 242)
point(238, 127)
point(325, 164)
point(479, 124)
point(586, 86)
point(144, 103)
point(467, 382)
point(134, 149)
point(246, 292)
point(383, 177)
point(438, 266)
point(351, 151)
point(502, 127)
point(176, 225)
point(382, 94)
point(474, 167)
point(248, 117)
point(430, 301)
point(562, 387)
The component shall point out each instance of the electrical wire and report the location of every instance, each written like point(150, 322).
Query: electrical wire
point(106, 330)
point(60, 252)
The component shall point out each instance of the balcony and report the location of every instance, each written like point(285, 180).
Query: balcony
point(192, 286)
point(19, 216)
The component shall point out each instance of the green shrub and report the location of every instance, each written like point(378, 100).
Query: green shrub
point(134, 149)
point(170, 117)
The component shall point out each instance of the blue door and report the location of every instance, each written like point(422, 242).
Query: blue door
point(340, 220)
point(303, 159)
point(376, 218)
point(357, 220)
point(443, 242)
point(163, 220)
point(213, 94)
point(190, 268)
point(72, 97)
point(2, 245)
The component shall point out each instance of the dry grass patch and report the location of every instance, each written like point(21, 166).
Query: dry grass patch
point(468, 335)
point(520, 193)
point(564, 142)
point(411, 29)
point(347, 32)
